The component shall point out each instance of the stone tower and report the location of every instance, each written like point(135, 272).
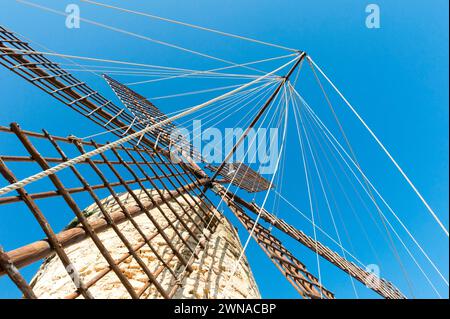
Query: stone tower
point(211, 270)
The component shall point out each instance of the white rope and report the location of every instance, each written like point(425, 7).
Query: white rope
point(223, 118)
point(73, 63)
point(233, 178)
point(319, 228)
point(305, 168)
point(190, 25)
point(224, 107)
point(131, 124)
point(229, 104)
point(194, 92)
point(119, 68)
point(213, 70)
point(97, 59)
point(324, 191)
point(237, 262)
point(226, 104)
point(213, 110)
point(226, 76)
point(139, 36)
point(389, 237)
point(272, 105)
point(104, 148)
point(157, 67)
point(327, 134)
point(149, 73)
point(279, 182)
point(223, 75)
point(363, 186)
point(220, 111)
point(384, 149)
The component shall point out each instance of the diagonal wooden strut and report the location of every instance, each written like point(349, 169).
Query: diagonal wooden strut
point(302, 55)
point(63, 86)
point(48, 76)
point(381, 286)
point(146, 112)
point(38, 250)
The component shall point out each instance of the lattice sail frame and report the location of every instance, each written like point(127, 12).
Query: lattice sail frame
point(19, 57)
point(148, 170)
point(379, 285)
point(147, 113)
point(242, 176)
point(49, 77)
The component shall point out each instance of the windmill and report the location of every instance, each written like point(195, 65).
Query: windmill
point(153, 185)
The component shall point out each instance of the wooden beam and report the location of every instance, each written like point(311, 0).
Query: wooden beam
point(38, 250)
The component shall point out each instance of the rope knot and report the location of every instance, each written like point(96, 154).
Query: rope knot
point(73, 138)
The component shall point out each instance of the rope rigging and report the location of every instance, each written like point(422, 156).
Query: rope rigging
point(211, 73)
point(330, 210)
point(234, 175)
point(216, 110)
point(265, 197)
point(125, 139)
point(344, 155)
point(308, 188)
point(139, 36)
point(189, 25)
point(433, 214)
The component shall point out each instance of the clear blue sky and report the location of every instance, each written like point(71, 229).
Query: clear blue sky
point(396, 77)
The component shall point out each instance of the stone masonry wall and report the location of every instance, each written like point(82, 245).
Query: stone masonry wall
point(211, 270)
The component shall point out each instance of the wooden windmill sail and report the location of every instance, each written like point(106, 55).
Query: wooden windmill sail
point(178, 193)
